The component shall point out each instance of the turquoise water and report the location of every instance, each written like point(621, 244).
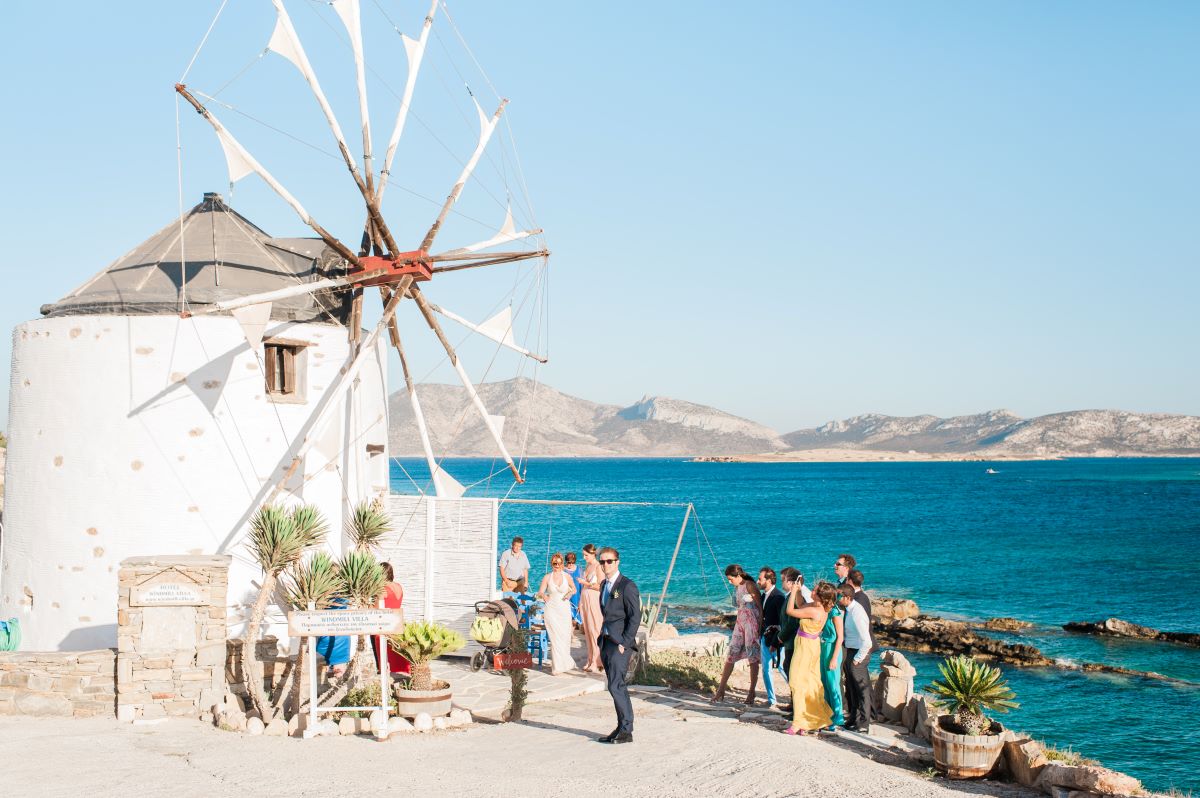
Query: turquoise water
point(1047, 542)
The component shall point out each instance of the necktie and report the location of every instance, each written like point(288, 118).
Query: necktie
point(604, 594)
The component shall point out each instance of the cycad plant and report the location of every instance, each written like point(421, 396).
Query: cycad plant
point(367, 524)
point(968, 688)
point(421, 642)
point(312, 582)
point(278, 538)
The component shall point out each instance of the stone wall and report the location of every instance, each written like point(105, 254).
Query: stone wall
point(62, 683)
point(171, 636)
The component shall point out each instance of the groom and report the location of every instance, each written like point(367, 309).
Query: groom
point(622, 610)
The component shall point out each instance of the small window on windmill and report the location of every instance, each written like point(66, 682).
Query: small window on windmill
point(284, 362)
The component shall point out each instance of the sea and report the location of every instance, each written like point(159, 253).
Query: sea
point(1044, 541)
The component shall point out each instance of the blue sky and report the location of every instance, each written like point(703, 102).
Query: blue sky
point(790, 211)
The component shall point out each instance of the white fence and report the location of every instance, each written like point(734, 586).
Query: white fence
point(443, 552)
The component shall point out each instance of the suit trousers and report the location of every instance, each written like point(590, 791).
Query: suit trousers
point(858, 691)
point(616, 665)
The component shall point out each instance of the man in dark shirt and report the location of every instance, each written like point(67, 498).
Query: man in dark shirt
point(789, 579)
point(773, 602)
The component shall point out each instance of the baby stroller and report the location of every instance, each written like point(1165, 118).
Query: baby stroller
point(492, 628)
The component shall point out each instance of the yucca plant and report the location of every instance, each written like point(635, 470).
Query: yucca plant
point(367, 524)
point(968, 688)
point(362, 582)
point(313, 582)
point(421, 642)
point(278, 538)
point(362, 577)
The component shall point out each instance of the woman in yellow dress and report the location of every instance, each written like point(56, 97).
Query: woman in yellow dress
point(810, 710)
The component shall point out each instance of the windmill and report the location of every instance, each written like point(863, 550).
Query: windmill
point(379, 261)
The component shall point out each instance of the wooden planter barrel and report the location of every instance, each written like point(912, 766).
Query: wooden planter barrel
point(965, 756)
point(410, 703)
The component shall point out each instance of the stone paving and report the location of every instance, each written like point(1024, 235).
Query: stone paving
point(486, 693)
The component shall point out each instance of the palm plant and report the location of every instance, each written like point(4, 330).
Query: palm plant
point(278, 538)
point(421, 642)
point(367, 524)
point(968, 688)
point(311, 583)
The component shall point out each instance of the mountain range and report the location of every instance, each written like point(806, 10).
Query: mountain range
point(541, 421)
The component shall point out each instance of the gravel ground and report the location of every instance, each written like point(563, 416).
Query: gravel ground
point(680, 749)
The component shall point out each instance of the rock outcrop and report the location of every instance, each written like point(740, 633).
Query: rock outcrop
point(932, 635)
point(1115, 627)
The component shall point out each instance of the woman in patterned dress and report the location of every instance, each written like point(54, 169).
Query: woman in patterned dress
point(744, 643)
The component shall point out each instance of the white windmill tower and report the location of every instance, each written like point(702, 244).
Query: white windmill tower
point(214, 369)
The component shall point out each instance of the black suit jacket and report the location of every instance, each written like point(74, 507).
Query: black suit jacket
point(772, 608)
point(622, 614)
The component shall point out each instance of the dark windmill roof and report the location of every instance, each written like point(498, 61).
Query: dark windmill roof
point(226, 257)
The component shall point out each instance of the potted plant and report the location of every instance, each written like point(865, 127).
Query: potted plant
point(967, 743)
point(421, 642)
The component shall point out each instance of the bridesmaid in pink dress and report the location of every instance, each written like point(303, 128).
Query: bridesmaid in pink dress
point(589, 608)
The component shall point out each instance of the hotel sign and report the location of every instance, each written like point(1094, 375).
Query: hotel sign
point(168, 594)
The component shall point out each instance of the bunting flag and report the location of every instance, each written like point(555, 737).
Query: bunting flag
point(237, 160)
point(285, 42)
point(253, 320)
point(497, 423)
point(508, 232)
point(348, 12)
point(446, 486)
point(499, 327)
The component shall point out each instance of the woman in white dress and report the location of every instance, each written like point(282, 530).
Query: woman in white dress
point(556, 591)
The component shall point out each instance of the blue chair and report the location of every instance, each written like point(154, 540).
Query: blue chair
point(531, 621)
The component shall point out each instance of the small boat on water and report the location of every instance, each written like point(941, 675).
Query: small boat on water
point(992, 471)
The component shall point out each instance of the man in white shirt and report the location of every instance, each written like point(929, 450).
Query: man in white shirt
point(514, 568)
point(854, 666)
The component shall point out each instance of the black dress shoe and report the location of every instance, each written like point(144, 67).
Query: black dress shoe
point(608, 738)
point(623, 737)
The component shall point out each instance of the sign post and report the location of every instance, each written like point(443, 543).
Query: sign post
point(343, 623)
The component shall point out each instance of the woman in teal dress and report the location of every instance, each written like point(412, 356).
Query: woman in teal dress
point(832, 635)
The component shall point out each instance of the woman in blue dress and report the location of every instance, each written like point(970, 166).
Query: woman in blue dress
point(335, 649)
point(832, 635)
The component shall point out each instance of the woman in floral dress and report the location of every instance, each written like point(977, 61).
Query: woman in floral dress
point(744, 643)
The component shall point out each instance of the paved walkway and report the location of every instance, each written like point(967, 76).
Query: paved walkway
point(683, 747)
point(486, 693)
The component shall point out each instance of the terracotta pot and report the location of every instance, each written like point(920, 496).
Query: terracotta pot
point(410, 703)
point(965, 756)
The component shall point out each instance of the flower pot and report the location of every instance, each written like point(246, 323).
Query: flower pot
point(965, 756)
point(410, 703)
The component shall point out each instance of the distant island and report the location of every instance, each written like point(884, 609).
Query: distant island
point(543, 422)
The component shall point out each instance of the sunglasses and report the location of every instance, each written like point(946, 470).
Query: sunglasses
point(606, 561)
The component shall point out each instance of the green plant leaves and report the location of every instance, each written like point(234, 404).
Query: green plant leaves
point(422, 641)
point(367, 524)
point(278, 536)
point(968, 688)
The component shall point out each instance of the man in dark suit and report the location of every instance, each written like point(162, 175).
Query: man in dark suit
point(621, 606)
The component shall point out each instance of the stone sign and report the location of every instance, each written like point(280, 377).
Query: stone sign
point(313, 623)
point(167, 594)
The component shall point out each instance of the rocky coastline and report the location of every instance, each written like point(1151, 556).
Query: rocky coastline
point(1115, 627)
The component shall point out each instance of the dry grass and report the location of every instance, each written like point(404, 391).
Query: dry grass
point(1067, 756)
point(679, 669)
